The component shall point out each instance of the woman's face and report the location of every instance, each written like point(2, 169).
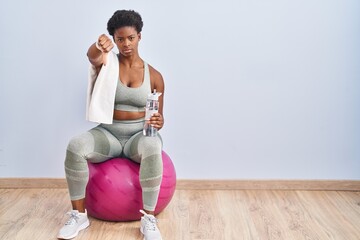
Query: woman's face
point(127, 40)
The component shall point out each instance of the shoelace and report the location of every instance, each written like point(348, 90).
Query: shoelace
point(151, 221)
point(74, 217)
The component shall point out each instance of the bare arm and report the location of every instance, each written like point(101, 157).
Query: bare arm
point(157, 82)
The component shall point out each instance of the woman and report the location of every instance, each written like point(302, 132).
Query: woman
point(118, 88)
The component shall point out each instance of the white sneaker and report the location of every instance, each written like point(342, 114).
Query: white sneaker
point(148, 227)
point(77, 222)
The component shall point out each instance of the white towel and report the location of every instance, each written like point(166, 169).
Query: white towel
point(101, 91)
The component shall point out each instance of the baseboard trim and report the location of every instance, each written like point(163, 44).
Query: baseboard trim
point(33, 183)
point(306, 185)
point(207, 184)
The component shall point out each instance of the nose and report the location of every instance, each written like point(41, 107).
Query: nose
point(127, 42)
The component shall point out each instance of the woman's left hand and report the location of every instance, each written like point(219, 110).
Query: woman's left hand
point(157, 121)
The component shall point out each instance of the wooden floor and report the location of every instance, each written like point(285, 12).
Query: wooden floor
point(37, 214)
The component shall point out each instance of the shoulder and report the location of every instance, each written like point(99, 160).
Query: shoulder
point(156, 79)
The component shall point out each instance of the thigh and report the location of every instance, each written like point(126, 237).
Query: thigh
point(105, 145)
point(138, 145)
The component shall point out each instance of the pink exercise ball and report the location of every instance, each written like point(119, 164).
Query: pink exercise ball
point(113, 192)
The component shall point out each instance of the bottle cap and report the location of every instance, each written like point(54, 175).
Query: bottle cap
point(154, 96)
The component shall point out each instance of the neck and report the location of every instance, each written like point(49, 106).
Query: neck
point(130, 60)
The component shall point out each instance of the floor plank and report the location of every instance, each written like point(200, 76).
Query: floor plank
point(197, 215)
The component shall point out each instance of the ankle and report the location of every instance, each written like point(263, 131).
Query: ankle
point(79, 205)
point(149, 212)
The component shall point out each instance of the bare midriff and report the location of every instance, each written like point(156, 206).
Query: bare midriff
point(125, 115)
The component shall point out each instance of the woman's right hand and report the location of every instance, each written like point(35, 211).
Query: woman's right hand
point(104, 43)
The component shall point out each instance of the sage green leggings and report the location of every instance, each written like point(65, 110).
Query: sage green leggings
point(120, 139)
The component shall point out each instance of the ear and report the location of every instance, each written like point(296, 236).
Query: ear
point(139, 35)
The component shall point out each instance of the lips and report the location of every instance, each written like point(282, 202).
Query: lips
point(127, 51)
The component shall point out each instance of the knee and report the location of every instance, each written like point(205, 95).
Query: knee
point(150, 145)
point(80, 144)
point(77, 149)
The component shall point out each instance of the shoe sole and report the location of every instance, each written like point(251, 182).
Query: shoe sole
point(141, 230)
point(81, 227)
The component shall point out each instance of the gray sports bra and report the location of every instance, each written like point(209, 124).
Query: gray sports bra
point(133, 99)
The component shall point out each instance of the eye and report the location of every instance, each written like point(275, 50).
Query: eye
point(120, 40)
point(131, 38)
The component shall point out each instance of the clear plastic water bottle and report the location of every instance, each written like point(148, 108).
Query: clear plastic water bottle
point(152, 106)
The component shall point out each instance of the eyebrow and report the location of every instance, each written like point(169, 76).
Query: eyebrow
point(132, 35)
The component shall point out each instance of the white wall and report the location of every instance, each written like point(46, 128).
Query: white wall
point(254, 89)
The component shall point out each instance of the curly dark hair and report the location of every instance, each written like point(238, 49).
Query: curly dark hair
point(124, 18)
